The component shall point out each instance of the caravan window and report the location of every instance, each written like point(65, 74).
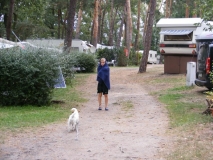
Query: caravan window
point(187, 37)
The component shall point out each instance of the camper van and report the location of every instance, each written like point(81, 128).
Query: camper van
point(152, 57)
point(177, 35)
point(178, 42)
point(204, 59)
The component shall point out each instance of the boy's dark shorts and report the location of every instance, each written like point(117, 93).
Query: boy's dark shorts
point(102, 88)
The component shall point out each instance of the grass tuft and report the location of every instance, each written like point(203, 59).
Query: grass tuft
point(127, 105)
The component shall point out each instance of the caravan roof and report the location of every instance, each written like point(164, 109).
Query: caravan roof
point(178, 22)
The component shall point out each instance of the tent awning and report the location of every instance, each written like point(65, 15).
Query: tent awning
point(176, 31)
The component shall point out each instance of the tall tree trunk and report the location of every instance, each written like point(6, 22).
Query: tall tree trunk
point(145, 25)
point(110, 42)
point(9, 19)
point(125, 25)
point(187, 9)
point(103, 13)
point(52, 24)
point(129, 27)
point(195, 9)
point(64, 27)
point(95, 24)
point(77, 34)
point(70, 24)
point(120, 30)
point(143, 63)
point(99, 21)
point(59, 23)
point(200, 13)
point(170, 8)
point(138, 25)
point(167, 9)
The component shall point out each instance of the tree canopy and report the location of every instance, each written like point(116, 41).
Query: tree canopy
point(49, 19)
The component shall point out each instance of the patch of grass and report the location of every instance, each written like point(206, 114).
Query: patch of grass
point(193, 131)
point(181, 88)
point(16, 117)
point(29, 116)
point(181, 112)
point(167, 80)
point(127, 105)
point(194, 142)
point(70, 95)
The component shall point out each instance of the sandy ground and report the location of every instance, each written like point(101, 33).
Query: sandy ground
point(137, 132)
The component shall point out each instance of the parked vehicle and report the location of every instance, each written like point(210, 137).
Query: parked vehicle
point(178, 42)
point(204, 60)
point(177, 35)
point(152, 57)
point(77, 44)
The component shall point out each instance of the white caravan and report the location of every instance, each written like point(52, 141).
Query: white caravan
point(77, 44)
point(177, 35)
point(152, 57)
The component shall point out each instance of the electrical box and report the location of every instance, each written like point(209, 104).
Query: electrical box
point(191, 74)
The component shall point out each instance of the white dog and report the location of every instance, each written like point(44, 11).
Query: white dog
point(73, 121)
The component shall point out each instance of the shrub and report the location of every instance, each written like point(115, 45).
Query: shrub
point(27, 76)
point(121, 57)
point(109, 54)
point(86, 62)
point(134, 58)
point(67, 62)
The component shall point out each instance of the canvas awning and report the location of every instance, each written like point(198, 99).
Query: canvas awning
point(176, 31)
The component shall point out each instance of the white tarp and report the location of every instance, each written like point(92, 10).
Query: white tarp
point(4, 45)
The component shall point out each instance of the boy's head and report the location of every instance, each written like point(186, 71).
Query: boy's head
point(103, 61)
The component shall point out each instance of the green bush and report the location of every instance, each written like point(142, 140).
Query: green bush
point(134, 58)
point(67, 62)
point(109, 54)
point(27, 76)
point(86, 62)
point(121, 57)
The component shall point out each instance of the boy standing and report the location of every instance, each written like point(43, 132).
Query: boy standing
point(103, 78)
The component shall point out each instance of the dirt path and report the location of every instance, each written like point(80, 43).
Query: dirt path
point(124, 133)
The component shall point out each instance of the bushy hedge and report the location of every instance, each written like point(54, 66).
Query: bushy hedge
point(116, 54)
point(86, 62)
point(109, 54)
point(134, 58)
point(121, 57)
point(27, 76)
point(67, 62)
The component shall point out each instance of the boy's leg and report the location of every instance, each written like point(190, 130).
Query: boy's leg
point(99, 99)
point(106, 101)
